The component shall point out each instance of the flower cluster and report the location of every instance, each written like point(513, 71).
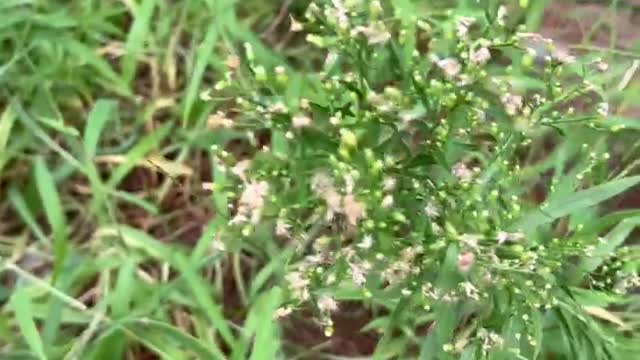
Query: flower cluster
point(402, 174)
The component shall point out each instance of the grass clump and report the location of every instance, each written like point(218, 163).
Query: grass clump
point(402, 179)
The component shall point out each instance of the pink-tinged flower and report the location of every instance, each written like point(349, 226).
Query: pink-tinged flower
point(253, 194)
point(512, 103)
point(465, 261)
point(301, 121)
point(354, 210)
point(450, 66)
point(327, 304)
point(480, 56)
point(564, 57)
point(462, 172)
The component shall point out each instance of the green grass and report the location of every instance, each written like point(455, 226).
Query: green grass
point(97, 96)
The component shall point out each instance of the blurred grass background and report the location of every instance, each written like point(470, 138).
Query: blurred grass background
point(104, 147)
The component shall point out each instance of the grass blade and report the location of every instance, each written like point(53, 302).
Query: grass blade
point(260, 322)
point(53, 210)
point(21, 305)
point(137, 36)
point(203, 57)
point(21, 207)
point(204, 298)
point(180, 337)
point(96, 121)
point(147, 144)
point(574, 202)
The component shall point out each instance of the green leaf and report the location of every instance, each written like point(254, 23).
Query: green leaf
point(219, 194)
point(185, 341)
point(274, 266)
point(561, 207)
point(17, 201)
point(147, 144)
point(120, 298)
point(96, 121)
point(266, 343)
point(58, 126)
point(148, 206)
point(53, 210)
point(6, 123)
point(137, 36)
point(204, 298)
point(279, 144)
point(138, 240)
point(21, 306)
point(384, 345)
point(203, 56)
point(612, 240)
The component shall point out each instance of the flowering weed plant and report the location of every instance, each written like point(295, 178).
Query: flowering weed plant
point(414, 172)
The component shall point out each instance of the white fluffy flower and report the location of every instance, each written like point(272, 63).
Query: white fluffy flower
point(512, 103)
point(282, 228)
point(301, 121)
point(240, 168)
point(470, 290)
point(462, 26)
point(327, 304)
point(219, 120)
point(388, 184)
point(470, 240)
point(502, 15)
point(450, 66)
point(387, 202)
point(298, 284)
point(375, 33)
point(251, 202)
point(366, 243)
point(603, 109)
point(353, 209)
point(296, 26)
point(504, 236)
point(282, 312)
point(431, 210)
